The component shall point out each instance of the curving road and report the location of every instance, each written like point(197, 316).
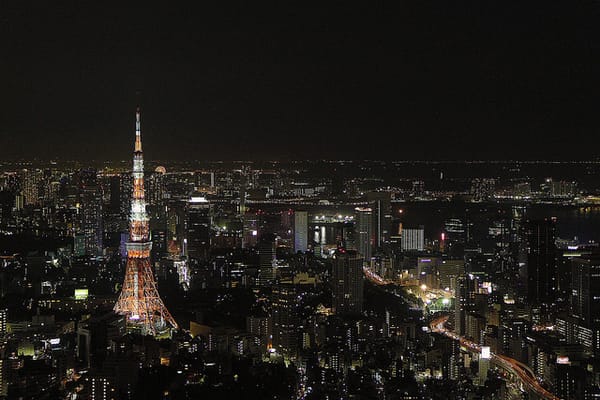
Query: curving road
point(522, 371)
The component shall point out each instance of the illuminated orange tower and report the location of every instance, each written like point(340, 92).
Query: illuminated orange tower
point(139, 300)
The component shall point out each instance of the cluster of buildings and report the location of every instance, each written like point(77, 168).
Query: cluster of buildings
point(283, 281)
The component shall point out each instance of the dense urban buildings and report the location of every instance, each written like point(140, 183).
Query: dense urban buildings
point(382, 291)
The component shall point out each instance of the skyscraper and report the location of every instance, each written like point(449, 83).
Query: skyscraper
point(285, 317)
point(347, 279)
point(382, 213)
point(541, 261)
point(198, 227)
point(139, 300)
point(266, 257)
point(300, 231)
point(364, 232)
point(585, 289)
point(3, 320)
point(413, 239)
point(90, 212)
point(30, 185)
point(464, 302)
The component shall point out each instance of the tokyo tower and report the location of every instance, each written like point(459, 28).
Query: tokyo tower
point(139, 300)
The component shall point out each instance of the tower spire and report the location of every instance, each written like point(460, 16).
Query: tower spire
point(139, 300)
point(138, 131)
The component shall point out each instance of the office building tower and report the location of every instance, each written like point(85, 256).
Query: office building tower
point(583, 326)
point(90, 212)
point(413, 239)
point(541, 261)
point(198, 228)
point(381, 204)
point(484, 364)
point(262, 327)
point(300, 231)
point(347, 280)
point(266, 259)
point(126, 188)
point(464, 302)
point(30, 185)
point(3, 379)
point(160, 244)
point(449, 271)
point(3, 321)
point(114, 200)
point(102, 387)
point(139, 300)
point(364, 232)
point(285, 316)
point(156, 186)
point(585, 290)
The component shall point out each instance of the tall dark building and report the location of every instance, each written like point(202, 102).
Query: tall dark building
point(541, 261)
point(585, 289)
point(198, 227)
point(285, 307)
point(464, 302)
point(364, 232)
point(90, 211)
point(114, 202)
point(159, 244)
point(266, 259)
point(347, 282)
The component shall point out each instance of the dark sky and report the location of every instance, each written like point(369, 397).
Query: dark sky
point(296, 79)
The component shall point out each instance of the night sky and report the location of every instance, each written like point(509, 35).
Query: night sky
point(388, 80)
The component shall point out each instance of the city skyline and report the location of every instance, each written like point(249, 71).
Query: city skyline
point(333, 201)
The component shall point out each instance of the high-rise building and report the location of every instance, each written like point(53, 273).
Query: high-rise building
point(541, 261)
point(266, 258)
point(300, 231)
point(139, 300)
point(126, 188)
point(102, 387)
point(347, 280)
point(3, 380)
point(413, 239)
point(381, 204)
point(364, 232)
point(198, 228)
point(156, 186)
point(262, 327)
point(90, 212)
point(285, 315)
point(585, 301)
point(3, 320)
point(464, 302)
point(30, 185)
point(114, 201)
point(484, 364)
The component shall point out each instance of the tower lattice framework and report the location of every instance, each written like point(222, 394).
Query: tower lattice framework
point(139, 300)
